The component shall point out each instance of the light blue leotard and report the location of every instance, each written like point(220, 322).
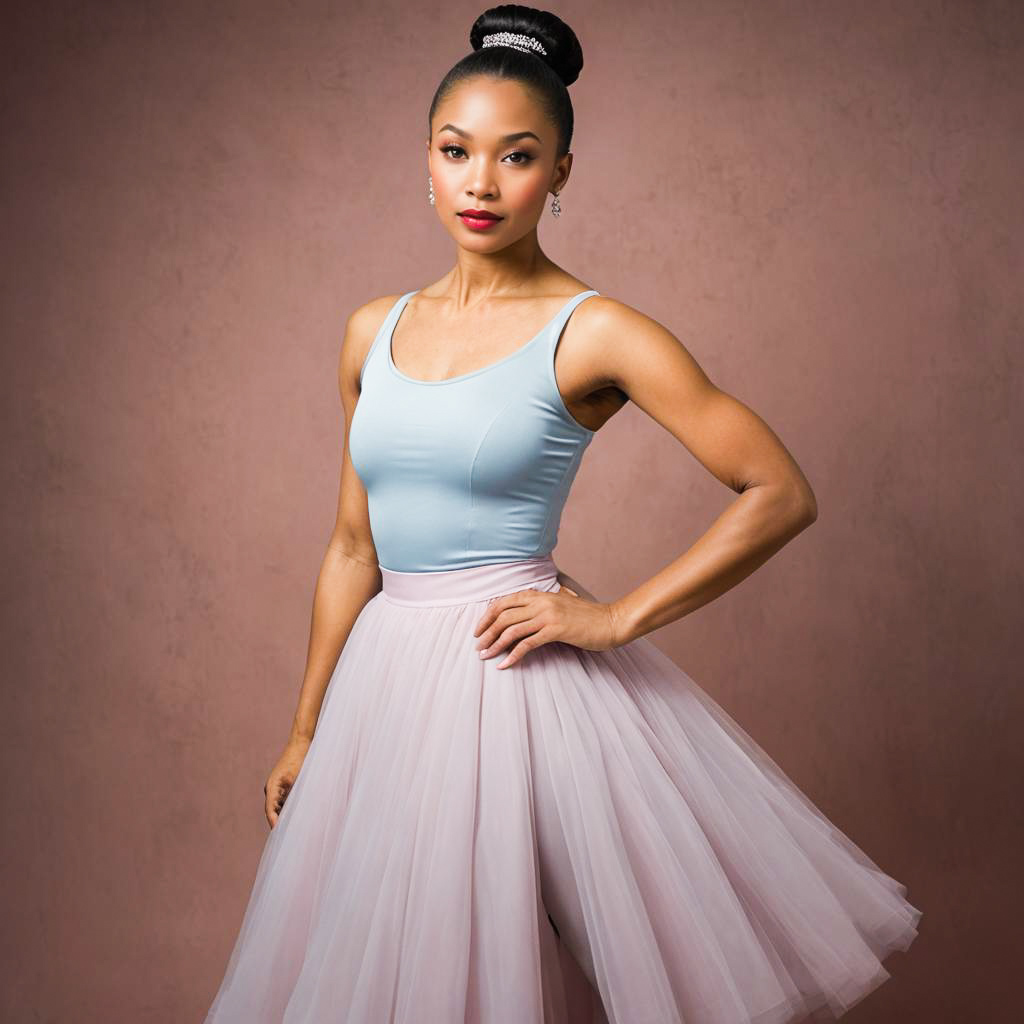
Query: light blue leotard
point(469, 470)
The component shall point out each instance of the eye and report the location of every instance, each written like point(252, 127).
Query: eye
point(453, 150)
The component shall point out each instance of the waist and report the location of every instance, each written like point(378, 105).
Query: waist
point(473, 583)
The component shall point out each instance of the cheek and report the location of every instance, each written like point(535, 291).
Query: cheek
point(526, 193)
point(444, 181)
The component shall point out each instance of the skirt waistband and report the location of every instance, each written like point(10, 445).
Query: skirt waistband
point(463, 586)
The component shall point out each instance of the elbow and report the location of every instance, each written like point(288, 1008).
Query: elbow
point(352, 545)
point(790, 503)
point(805, 507)
point(794, 505)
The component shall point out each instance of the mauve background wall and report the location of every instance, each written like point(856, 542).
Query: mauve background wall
point(822, 200)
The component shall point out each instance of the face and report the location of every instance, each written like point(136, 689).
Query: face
point(491, 149)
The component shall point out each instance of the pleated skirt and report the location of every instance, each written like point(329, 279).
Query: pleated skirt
point(580, 838)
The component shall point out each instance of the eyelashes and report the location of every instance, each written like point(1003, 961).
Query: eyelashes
point(515, 163)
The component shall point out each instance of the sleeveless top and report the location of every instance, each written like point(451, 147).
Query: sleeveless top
point(468, 470)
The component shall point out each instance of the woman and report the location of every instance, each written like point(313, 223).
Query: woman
point(511, 806)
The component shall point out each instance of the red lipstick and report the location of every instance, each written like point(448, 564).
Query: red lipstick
point(478, 220)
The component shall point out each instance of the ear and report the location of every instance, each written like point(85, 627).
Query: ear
point(562, 168)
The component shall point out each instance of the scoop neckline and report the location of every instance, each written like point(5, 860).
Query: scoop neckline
point(403, 302)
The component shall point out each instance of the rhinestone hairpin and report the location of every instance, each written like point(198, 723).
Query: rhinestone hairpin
point(515, 40)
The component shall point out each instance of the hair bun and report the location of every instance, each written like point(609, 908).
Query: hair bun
point(563, 53)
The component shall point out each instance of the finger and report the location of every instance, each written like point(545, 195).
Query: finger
point(494, 608)
point(276, 792)
point(501, 603)
point(497, 635)
point(511, 635)
point(524, 646)
point(484, 619)
point(494, 622)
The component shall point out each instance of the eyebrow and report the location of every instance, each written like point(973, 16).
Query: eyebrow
point(514, 137)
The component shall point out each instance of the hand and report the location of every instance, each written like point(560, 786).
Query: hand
point(528, 619)
point(282, 778)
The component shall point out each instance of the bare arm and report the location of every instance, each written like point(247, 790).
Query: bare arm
point(775, 501)
point(624, 349)
point(349, 575)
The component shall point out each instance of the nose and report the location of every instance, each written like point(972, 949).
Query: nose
point(481, 182)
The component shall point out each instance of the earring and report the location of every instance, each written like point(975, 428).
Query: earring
point(556, 206)
point(431, 189)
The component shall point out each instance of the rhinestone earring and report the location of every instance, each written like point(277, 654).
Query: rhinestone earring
point(431, 189)
point(556, 206)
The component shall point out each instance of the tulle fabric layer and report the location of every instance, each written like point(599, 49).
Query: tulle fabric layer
point(582, 838)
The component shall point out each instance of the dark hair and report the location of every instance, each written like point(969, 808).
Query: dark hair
point(546, 75)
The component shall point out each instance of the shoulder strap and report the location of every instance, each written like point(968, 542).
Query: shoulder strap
point(558, 324)
point(384, 331)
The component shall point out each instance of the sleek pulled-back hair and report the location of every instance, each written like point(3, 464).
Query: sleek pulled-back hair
point(545, 75)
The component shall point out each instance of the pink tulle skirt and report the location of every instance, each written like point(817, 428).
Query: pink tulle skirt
point(583, 837)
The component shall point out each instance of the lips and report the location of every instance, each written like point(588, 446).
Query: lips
point(479, 215)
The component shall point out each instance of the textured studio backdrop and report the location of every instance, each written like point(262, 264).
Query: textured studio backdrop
point(821, 200)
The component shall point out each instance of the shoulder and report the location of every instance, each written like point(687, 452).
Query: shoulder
point(602, 315)
point(619, 341)
point(361, 328)
point(365, 321)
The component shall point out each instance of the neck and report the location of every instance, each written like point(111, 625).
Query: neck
point(477, 276)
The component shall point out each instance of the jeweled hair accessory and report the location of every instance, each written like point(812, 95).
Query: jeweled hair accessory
point(515, 40)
